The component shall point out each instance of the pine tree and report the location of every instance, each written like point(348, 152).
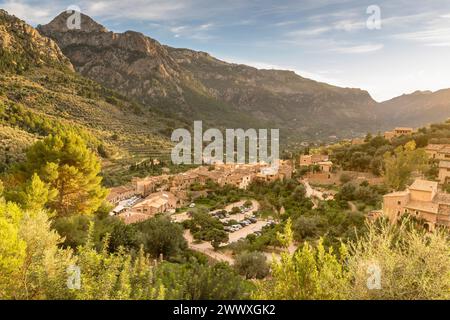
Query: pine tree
point(64, 163)
point(35, 194)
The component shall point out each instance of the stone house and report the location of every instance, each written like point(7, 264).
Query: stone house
point(444, 171)
point(443, 154)
point(422, 200)
point(118, 194)
point(325, 166)
point(433, 149)
point(158, 202)
point(397, 132)
point(148, 185)
point(312, 159)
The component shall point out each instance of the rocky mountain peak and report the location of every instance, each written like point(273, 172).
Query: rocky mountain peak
point(130, 62)
point(65, 22)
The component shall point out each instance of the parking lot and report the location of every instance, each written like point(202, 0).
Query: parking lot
point(245, 231)
point(240, 229)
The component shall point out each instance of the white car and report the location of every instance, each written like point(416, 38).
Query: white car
point(192, 205)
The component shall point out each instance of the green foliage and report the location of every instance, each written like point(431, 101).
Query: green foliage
point(29, 121)
point(70, 170)
point(235, 210)
point(159, 236)
point(252, 265)
point(413, 264)
point(34, 194)
point(368, 194)
point(400, 165)
point(329, 221)
point(115, 275)
point(309, 274)
point(207, 228)
point(195, 281)
point(364, 157)
point(12, 248)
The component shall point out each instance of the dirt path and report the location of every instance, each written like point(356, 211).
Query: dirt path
point(206, 248)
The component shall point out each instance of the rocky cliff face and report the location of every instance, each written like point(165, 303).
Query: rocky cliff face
point(130, 62)
point(41, 94)
point(22, 46)
point(195, 86)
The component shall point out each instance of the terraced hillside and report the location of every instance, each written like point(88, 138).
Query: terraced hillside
point(41, 94)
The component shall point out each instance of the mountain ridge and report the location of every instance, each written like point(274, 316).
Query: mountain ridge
point(182, 83)
point(41, 94)
point(195, 85)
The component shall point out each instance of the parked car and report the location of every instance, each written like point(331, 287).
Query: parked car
point(253, 220)
point(192, 205)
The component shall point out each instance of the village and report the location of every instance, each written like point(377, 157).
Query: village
point(424, 199)
point(175, 194)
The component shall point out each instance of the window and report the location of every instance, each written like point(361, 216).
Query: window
point(399, 203)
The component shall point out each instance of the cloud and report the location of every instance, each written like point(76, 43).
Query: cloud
point(428, 36)
point(195, 32)
point(365, 48)
point(307, 32)
point(439, 44)
point(350, 25)
point(31, 13)
point(136, 9)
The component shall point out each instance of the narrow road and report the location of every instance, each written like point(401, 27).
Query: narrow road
point(311, 193)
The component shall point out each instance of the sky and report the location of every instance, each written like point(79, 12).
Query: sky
point(387, 47)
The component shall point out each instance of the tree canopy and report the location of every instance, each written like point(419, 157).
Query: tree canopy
point(65, 166)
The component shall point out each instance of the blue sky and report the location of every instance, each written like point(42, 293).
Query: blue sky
point(324, 40)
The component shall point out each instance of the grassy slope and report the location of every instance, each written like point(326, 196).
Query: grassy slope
point(42, 100)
